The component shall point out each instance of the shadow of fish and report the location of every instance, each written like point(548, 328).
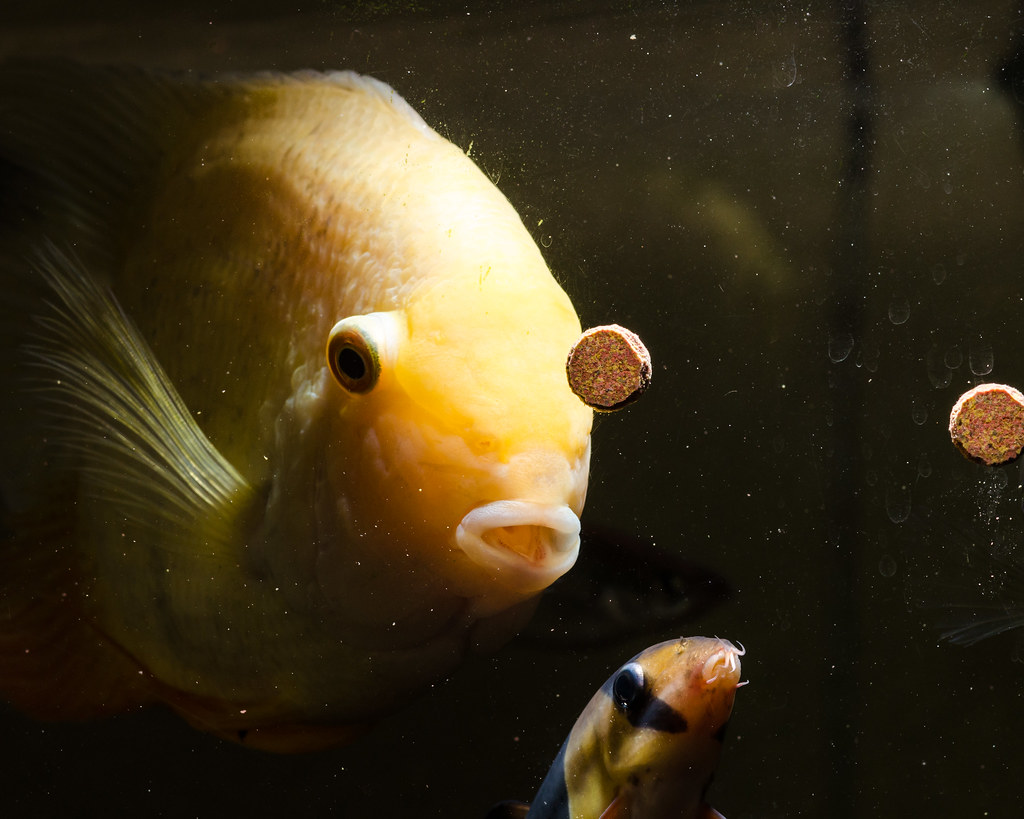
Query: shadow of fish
point(621, 587)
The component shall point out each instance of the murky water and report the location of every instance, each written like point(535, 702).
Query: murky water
point(687, 169)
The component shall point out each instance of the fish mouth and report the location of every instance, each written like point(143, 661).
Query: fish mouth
point(723, 665)
point(529, 545)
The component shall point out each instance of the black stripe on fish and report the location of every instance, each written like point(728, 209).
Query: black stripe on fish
point(720, 733)
point(631, 697)
point(552, 799)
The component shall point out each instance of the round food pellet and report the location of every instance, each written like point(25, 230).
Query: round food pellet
point(609, 367)
point(987, 424)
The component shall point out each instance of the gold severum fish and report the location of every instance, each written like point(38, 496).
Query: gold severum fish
point(287, 429)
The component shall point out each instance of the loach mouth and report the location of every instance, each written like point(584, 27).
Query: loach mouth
point(724, 664)
point(530, 545)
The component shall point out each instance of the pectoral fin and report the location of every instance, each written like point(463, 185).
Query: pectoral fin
point(113, 406)
point(509, 809)
point(616, 809)
point(123, 433)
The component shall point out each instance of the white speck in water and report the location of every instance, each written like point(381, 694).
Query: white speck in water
point(839, 347)
point(899, 311)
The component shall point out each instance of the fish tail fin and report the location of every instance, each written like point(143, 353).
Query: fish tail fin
point(53, 663)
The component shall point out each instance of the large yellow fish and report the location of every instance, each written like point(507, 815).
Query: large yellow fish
point(286, 425)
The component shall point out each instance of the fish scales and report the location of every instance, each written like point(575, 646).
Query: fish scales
point(272, 548)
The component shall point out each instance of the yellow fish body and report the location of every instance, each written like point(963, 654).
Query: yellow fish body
point(648, 742)
point(290, 430)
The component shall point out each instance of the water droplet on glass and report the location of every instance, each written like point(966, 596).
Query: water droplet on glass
point(897, 503)
point(919, 412)
point(953, 358)
point(938, 373)
point(938, 273)
point(924, 467)
point(887, 566)
point(839, 346)
point(784, 71)
point(867, 357)
point(899, 311)
point(980, 357)
point(871, 477)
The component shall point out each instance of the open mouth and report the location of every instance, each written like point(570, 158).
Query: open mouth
point(529, 545)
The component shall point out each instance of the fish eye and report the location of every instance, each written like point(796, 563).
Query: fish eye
point(352, 356)
point(628, 689)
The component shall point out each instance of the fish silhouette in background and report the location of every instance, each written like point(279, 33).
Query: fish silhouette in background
point(286, 427)
point(623, 586)
point(647, 744)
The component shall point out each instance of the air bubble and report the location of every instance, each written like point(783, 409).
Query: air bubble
point(899, 311)
point(919, 413)
point(953, 358)
point(887, 566)
point(980, 357)
point(938, 273)
point(897, 503)
point(938, 373)
point(839, 347)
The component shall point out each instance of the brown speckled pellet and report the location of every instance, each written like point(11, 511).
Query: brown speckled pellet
point(987, 424)
point(609, 367)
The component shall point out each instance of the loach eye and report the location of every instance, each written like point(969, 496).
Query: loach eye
point(628, 687)
point(352, 356)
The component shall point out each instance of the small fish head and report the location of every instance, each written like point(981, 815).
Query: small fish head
point(669, 708)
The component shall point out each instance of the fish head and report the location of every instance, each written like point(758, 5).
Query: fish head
point(466, 453)
point(671, 705)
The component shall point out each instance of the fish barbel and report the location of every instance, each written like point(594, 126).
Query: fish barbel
point(287, 429)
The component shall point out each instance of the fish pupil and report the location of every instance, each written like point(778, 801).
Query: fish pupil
point(628, 687)
point(351, 363)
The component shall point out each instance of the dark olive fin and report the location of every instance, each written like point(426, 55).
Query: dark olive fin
point(53, 663)
point(210, 716)
point(509, 809)
point(110, 402)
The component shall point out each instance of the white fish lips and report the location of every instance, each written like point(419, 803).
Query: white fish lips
point(556, 525)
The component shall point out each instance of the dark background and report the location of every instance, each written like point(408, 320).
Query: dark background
point(812, 213)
